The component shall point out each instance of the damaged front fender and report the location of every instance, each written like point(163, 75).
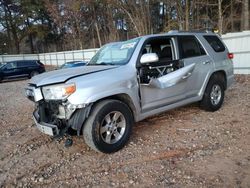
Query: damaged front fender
point(61, 115)
point(78, 118)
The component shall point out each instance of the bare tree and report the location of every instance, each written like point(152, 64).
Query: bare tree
point(80, 24)
point(138, 13)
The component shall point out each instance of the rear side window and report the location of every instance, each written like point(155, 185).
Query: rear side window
point(190, 47)
point(215, 43)
point(26, 63)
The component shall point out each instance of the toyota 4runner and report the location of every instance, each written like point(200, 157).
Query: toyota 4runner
point(126, 82)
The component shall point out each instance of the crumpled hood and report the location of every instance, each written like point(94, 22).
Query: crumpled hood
point(62, 75)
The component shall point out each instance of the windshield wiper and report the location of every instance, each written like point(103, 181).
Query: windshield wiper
point(102, 63)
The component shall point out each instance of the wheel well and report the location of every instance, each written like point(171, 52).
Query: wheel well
point(222, 75)
point(125, 99)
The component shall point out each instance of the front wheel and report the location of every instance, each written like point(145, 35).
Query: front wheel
point(109, 126)
point(214, 94)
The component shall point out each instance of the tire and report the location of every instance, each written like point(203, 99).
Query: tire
point(33, 73)
point(109, 126)
point(214, 94)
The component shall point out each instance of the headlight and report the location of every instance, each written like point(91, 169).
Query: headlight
point(58, 92)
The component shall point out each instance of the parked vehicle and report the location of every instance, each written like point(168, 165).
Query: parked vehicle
point(21, 69)
point(72, 64)
point(129, 81)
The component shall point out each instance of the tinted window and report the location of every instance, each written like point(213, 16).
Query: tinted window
point(215, 43)
point(11, 65)
point(26, 63)
point(190, 47)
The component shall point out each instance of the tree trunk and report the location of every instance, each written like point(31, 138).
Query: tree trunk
point(31, 43)
point(98, 34)
point(30, 37)
point(8, 31)
point(232, 16)
point(187, 15)
point(245, 15)
point(220, 17)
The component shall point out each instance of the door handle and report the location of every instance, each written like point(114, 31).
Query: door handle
point(206, 62)
point(186, 76)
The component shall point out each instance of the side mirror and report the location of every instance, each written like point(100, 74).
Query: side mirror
point(149, 58)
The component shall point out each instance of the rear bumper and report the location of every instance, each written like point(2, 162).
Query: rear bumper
point(45, 128)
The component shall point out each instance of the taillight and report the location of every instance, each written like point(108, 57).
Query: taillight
point(230, 55)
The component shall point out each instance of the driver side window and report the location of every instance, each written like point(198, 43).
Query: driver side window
point(164, 49)
point(11, 65)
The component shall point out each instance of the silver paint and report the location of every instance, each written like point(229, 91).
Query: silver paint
point(186, 85)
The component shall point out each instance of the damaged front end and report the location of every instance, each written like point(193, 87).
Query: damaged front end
point(55, 117)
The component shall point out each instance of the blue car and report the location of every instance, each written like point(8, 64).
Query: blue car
point(73, 64)
point(20, 69)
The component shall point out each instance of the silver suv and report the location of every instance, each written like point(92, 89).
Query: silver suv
point(126, 82)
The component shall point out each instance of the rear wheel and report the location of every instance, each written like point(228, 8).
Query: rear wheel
point(214, 94)
point(108, 127)
point(33, 73)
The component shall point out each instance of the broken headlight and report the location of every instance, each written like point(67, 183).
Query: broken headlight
point(58, 92)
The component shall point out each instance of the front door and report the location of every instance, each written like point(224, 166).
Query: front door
point(163, 82)
point(10, 70)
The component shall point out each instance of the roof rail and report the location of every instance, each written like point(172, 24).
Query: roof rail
point(173, 31)
point(191, 31)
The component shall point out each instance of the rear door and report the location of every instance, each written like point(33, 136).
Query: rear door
point(26, 67)
point(192, 52)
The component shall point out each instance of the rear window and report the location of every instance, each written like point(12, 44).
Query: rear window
point(215, 43)
point(190, 47)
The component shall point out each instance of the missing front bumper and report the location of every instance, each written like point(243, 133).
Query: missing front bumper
point(52, 119)
point(46, 128)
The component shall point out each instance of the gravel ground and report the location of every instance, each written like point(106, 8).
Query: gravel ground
point(186, 147)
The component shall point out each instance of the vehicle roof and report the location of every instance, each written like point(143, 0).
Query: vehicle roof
point(22, 61)
point(180, 33)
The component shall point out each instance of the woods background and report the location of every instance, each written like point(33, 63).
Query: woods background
point(39, 26)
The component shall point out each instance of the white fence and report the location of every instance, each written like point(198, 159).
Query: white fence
point(54, 58)
point(237, 43)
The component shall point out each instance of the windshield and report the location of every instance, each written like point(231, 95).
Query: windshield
point(2, 64)
point(118, 53)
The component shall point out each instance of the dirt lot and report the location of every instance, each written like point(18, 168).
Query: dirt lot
point(186, 147)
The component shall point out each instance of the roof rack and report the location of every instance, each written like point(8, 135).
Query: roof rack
point(191, 31)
